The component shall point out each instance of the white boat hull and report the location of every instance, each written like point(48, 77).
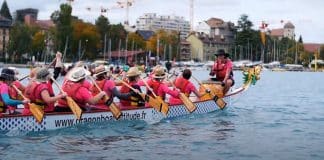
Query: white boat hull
point(63, 120)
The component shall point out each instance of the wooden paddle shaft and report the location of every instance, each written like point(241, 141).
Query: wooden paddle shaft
point(149, 88)
point(56, 83)
point(19, 92)
point(135, 90)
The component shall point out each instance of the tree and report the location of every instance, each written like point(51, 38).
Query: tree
point(300, 39)
point(86, 36)
point(38, 44)
point(139, 42)
point(102, 25)
point(5, 10)
point(321, 54)
point(244, 24)
point(20, 35)
point(63, 21)
point(117, 33)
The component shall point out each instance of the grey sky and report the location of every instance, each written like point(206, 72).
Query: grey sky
point(305, 15)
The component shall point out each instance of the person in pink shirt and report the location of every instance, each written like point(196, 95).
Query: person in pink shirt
point(76, 87)
point(40, 92)
point(185, 86)
point(107, 85)
point(156, 83)
point(6, 78)
point(222, 69)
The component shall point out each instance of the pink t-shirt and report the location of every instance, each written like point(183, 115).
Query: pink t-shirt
point(189, 89)
point(83, 94)
point(108, 87)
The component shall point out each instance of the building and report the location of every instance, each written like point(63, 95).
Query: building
point(185, 51)
point(204, 47)
point(210, 36)
point(287, 31)
point(153, 22)
point(5, 25)
point(21, 13)
point(215, 27)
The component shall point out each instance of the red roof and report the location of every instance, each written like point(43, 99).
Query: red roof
point(311, 47)
point(45, 24)
point(277, 32)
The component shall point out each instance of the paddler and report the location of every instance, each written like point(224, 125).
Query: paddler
point(222, 69)
point(185, 86)
point(76, 86)
point(132, 78)
point(157, 84)
point(6, 78)
point(40, 92)
point(13, 93)
point(101, 73)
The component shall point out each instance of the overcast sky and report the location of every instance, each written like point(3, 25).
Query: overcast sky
point(307, 16)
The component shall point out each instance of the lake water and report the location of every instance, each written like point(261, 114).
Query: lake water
point(281, 117)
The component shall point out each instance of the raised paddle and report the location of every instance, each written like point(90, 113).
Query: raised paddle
point(186, 101)
point(77, 111)
point(36, 110)
point(153, 102)
point(165, 106)
point(113, 107)
point(219, 101)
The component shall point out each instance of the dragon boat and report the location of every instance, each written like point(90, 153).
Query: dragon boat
point(205, 104)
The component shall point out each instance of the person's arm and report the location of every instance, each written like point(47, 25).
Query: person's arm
point(173, 93)
point(228, 71)
point(96, 98)
point(48, 99)
point(8, 101)
point(52, 62)
point(123, 96)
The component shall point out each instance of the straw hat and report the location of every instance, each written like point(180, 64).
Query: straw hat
point(7, 74)
point(132, 72)
point(77, 73)
point(101, 69)
point(42, 75)
point(159, 72)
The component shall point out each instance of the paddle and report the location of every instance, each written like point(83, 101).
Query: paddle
point(113, 107)
point(165, 106)
point(77, 111)
point(153, 102)
point(186, 101)
point(219, 101)
point(36, 110)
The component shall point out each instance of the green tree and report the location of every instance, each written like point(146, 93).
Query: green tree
point(5, 10)
point(300, 39)
point(63, 21)
point(20, 42)
point(321, 55)
point(86, 36)
point(117, 33)
point(136, 41)
point(247, 40)
point(102, 25)
point(38, 43)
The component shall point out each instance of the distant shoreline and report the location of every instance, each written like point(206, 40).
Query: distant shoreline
point(3, 65)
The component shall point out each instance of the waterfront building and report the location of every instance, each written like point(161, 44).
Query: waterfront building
point(216, 27)
point(210, 36)
point(154, 22)
point(5, 25)
point(287, 31)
